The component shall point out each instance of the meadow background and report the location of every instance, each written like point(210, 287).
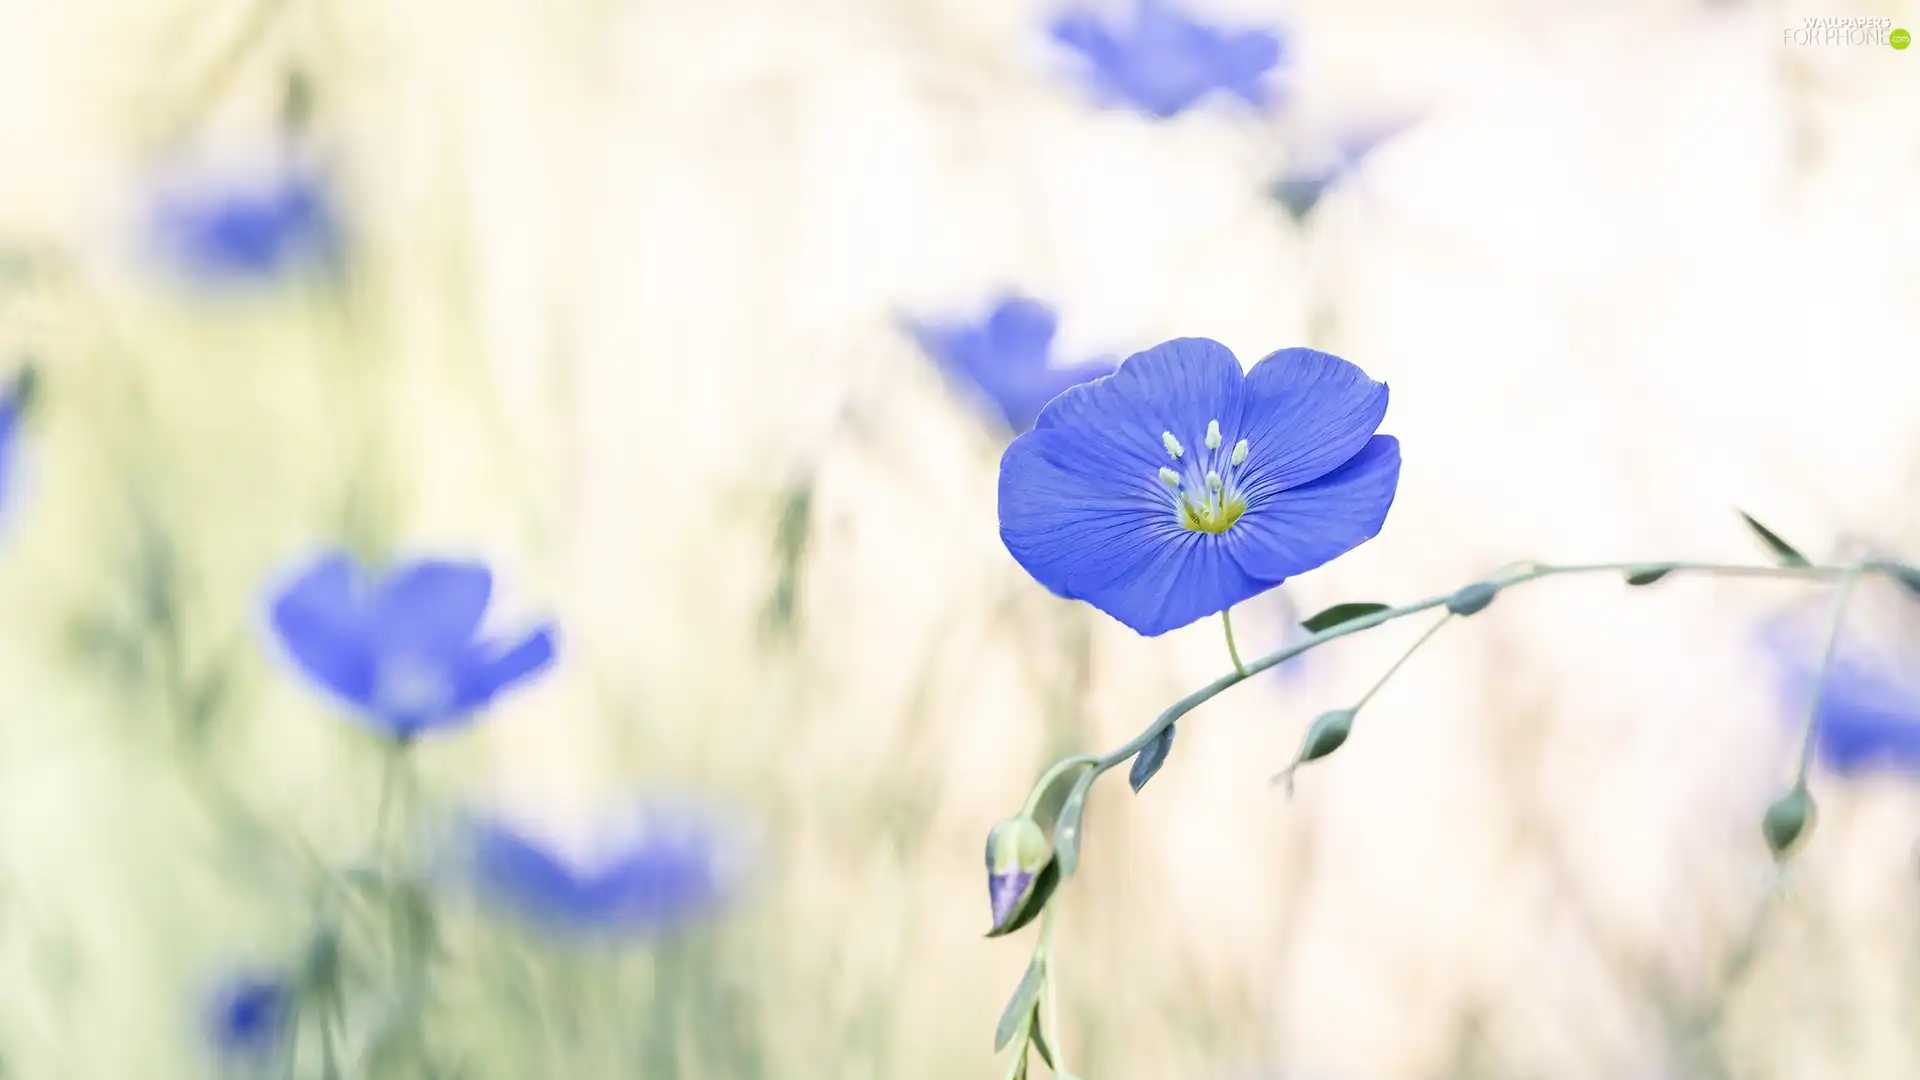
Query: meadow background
point(620, 312)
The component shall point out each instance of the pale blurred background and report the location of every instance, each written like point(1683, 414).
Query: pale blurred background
point(621, 293)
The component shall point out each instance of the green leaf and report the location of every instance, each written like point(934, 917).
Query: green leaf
point(1150, 758)
point(1017, 1068)
point(1781, 549)
point(1046, 810)
point(1043, 886)
point(1039, 1031)
point(1647, 575)
point(1066, 833)
point(1020, 1007)
point(1340, 613)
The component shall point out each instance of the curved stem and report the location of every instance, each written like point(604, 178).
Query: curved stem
point(1367, 622)
point(1049, 998)
point(1837, 615)
point(1233, 651)
point(1404, 657)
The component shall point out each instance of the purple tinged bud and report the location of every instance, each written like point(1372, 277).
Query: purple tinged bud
point(1017, 850)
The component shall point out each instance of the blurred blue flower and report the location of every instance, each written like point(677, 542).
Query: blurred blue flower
point(249, 1015)
point(1181, 485)
point(403, 650)
point(663, 877)
point(1869, 702)
point(228, 227)
point(1164, 62)
point(1301, 188)
point(13, 405)
point(1006, 359)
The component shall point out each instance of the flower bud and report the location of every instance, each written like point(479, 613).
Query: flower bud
point(1326, 735)
point(1017, 853)
point(1788, 821)
point(1472, 599)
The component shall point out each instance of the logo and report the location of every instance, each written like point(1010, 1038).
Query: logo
point(1852, 30)
point(1900, 39)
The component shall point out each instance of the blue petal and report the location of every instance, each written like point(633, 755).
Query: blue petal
point(1244, 60)
point(248, 1016)
point(1869, 720)
point(1021, 329)
point(1176, 387)
point(1085, 33)
point(1289, 532)
point(486, 673)
point(508, 866)
point(319, 621)
point(431, 608)
point(1307, 413)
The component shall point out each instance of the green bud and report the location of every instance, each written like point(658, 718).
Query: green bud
point(1018, 858)
point(1788, 821)
point(1326, 735)
point(1472, 599)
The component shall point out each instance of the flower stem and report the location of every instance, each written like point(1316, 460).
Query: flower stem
point(1519, 576)
point(1049, 998)
point(1838, 613)
point(1233, 651)
point(1404, 657)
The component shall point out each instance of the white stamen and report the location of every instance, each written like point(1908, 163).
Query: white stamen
point(1240, 452)
point(1172, 444)
point(1213, 434)
point(1169, 478)
point(1213, 480)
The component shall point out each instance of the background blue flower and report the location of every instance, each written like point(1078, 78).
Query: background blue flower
point(1007, 359)
point(227, 228)
point(1180, 486)
point(404, 650)
point(249, 1014)
point(1869, 704)
point(1164, 62)
point(666, 875)
point(13, 406)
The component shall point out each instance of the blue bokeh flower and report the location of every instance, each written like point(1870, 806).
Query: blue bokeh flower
point(249, 1015)
point(1007, 359)
point(1164, 62)
point(669, 872)
point(236, 226)
point(13, 407)
point(1869, 704)
point(404, 650)
point(1180, 485)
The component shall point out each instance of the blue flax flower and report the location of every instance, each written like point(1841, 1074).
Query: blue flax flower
point(249, 1015)
point(1180, 485)
point(238, 227)
point(1007, 359)
point(404, 649)
point(1869, 703)
point(1164, 62)
point(663, 876)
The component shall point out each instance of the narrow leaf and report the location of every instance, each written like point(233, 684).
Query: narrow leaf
point(1039, 1031)
point(1340, 613)
point(1151, 757)
point(1046, 810)
point(1647, 575)
point(1020, 1007)
point(1781, 549)
point(1066, 833)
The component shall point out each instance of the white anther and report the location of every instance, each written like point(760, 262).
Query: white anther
point(1213, 480)
point(1240, 452)
point(1172, 444)
point(1213, 434)
point(1169, 477)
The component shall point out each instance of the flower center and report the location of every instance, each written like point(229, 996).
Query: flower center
point(1207, 497)
point(409, 688)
